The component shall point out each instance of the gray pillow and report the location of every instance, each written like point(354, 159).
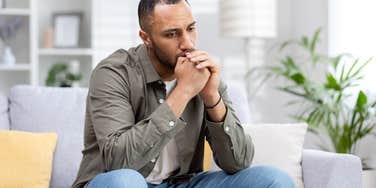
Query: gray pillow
point(4, 109)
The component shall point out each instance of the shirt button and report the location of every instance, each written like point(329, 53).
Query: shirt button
point(153, 160)
point(227, 129)
point(160, 101)
point(160, 82)
point(171, 123)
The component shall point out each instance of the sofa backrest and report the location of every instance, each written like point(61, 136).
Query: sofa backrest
point(4, 109)
point(60, 110)
point(238, 96)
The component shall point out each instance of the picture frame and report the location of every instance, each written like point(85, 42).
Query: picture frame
point(67, 29)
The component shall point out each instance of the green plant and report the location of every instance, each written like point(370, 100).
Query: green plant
point(60, 76)
point(325, 103)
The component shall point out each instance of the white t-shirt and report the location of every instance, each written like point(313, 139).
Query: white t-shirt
point(168, 158)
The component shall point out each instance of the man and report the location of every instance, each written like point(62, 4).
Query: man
point(150, 108)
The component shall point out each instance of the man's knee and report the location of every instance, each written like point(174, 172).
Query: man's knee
point(272, 177)
point(119, 179)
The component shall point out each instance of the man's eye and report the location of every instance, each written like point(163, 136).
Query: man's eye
point(171, 35)
point(191, 28)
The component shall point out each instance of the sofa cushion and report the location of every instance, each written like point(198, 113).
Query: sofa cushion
point(60, 110)
point(4, 118)
point(26, 158)
point(277, 145)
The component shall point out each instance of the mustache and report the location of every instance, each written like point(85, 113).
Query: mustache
point(182, 54)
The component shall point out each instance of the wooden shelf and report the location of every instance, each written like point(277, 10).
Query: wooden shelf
point(16, 67)
point(65, 51)
point(14, 11)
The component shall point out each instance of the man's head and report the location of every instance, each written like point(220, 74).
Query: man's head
point(167, 28)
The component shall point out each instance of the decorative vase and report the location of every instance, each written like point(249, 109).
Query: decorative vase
point(8, 56)
point(369, 178)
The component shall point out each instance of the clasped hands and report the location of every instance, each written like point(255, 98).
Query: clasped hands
point(199, 74)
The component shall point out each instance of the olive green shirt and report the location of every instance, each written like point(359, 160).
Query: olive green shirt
point(127, 124)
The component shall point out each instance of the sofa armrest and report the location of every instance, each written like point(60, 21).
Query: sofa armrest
point(331, 170)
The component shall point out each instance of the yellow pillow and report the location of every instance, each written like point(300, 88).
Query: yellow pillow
point(26, 159)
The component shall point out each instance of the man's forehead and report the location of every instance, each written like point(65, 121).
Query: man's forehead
point(172, 15)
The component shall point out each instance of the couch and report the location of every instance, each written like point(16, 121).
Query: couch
point(61, 110)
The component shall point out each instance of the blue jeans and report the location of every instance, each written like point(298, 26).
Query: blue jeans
point(253, 177)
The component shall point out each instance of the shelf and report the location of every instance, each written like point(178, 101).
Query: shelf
point(14, 11)
point(16, 67)
point(65, 51)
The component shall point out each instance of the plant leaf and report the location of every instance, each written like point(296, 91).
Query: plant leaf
point(285, 44)
point(361, 100)
point(314, 40)
point(332, 83)
point(305, 42)
point(298, 78)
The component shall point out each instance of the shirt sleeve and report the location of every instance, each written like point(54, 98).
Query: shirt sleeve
point(124, 143)
point(233, 150)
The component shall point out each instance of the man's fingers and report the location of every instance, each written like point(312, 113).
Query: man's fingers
point(205, 64)
point(198, 59)
point(181, 60)
point(196, 53)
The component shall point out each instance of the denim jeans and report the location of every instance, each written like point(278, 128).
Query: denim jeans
point(253, 177)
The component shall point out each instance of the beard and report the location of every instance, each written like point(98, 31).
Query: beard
point(163, 58)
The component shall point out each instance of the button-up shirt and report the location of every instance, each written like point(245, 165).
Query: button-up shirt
point(128, 123)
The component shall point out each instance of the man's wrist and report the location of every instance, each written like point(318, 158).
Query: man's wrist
point(211, 99)
point(214, 105)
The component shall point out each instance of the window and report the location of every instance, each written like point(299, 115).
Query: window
point(352, 29)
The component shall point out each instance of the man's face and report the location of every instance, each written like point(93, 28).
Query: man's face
point(172, 33)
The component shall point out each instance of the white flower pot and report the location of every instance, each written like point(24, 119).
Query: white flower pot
point(369, 178)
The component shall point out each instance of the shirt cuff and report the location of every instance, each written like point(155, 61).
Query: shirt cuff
point(165, 120)
point(218, 128)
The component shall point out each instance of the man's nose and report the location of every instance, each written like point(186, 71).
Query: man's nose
point(186, 42)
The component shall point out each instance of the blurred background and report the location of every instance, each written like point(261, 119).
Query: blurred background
point(58, 43)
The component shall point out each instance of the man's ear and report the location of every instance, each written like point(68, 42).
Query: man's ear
point(145, 37)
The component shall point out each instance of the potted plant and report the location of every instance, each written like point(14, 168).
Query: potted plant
point(325, 103)
point(60, 75)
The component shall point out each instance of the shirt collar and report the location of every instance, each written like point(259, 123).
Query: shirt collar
point(151, 74)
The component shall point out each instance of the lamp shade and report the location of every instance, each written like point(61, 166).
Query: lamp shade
point(248, 18)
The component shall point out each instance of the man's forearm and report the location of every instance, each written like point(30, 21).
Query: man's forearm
point(178, 100)
point(218, 112)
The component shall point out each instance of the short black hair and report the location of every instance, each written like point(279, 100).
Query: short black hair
point(146, 8)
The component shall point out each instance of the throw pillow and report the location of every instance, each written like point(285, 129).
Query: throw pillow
point(207, 156)
point(279, 145)
point(26, 159)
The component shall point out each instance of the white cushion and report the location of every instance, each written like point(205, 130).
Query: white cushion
point(279, 145)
